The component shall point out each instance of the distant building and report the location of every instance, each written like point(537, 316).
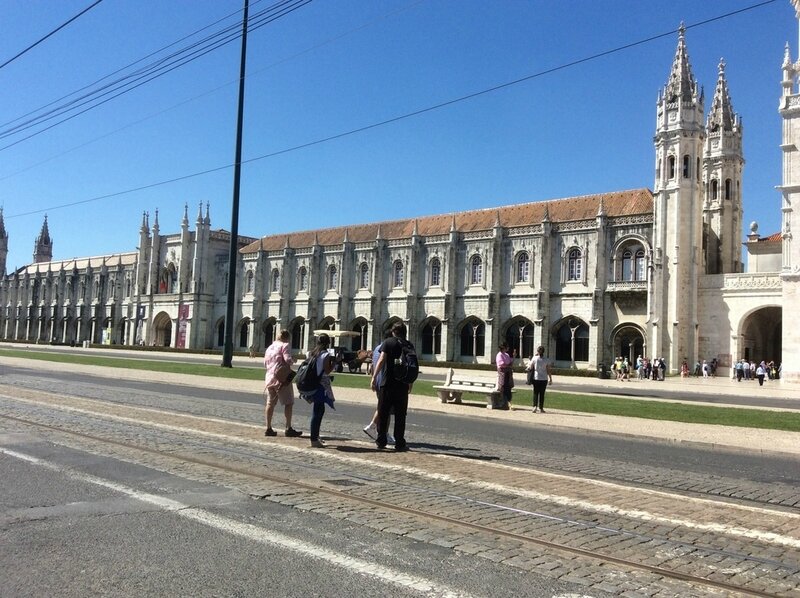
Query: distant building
point(656, 274)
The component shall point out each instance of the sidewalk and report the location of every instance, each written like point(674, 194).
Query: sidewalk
point(720, 437)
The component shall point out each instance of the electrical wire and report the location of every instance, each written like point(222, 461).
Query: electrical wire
point(151, 71)
point(146, 78)
point(403, 116)
point(53, 32)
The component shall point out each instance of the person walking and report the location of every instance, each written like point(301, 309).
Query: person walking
point(505, 374)
point(393, 393)
point(542, 373)
point(760, 373)
point(278, 384)
point(324, 393)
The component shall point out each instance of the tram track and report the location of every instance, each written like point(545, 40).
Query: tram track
point(348, 494)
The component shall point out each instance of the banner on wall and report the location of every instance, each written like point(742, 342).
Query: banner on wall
point(183, 318)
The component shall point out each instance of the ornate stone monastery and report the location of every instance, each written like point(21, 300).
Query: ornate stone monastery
point(656, 274)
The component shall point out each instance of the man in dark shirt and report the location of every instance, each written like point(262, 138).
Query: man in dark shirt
point(392, 393)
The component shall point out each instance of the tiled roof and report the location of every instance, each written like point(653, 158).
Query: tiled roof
point(112, 261)
point(585, 207)
point(772, 237)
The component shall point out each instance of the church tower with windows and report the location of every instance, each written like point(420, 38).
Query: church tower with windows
point(722, 180)
point(677, 216)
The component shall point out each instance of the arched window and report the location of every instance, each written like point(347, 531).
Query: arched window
point(572, 341)
point(363, 276)
point(627, 265)
point(472, 339)
point(671, 167)
point(574, 264)
point(297, 334)
point(275, 280)
point(269, 332)
point(476, 270)
point(243, 334)
point(249, 282)
point(523, 267)
point(127, 288)
point(436, 272)
point(520, 337)
point(714, 189)
point(221, 333)
point(399, 275)
point(697, 169)
point(686, 162)
point(302, 279)
point(333, 278)
point(632, 264)
point(727, 188)
point(432, 337)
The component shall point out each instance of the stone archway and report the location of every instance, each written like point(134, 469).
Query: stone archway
point(760, 335)
point(628, 341)
point(162, 330)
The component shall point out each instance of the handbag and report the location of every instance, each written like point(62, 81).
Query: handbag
point(530, 376)
point(284, 373)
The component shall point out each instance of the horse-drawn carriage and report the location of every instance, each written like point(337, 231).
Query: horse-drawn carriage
point(343, 356)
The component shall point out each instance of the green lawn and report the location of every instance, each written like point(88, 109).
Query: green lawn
point(658, 410)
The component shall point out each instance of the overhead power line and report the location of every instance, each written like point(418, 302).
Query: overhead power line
point(400, 117)
point(54, 31)
point(154, 70)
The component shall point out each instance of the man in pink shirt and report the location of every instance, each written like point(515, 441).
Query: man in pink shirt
point(277, 361)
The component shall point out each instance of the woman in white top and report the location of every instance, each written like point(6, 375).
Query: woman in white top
point(542, 373)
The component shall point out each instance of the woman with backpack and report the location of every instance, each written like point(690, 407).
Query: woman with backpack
point(323, 394)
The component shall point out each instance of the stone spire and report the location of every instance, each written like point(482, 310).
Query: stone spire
point(207, 220)
point(721, 115)
point(43, 251)
point(681, 85)
point(185, 221)
point(199, 222)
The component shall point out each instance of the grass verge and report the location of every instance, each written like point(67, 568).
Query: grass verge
point(657, 410)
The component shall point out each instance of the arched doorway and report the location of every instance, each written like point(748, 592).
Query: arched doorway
point(760, 335)
point(628, 341)
point(162, 330)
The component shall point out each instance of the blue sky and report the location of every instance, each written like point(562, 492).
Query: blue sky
point(334, 66)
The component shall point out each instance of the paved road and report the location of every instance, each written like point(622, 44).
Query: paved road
point(121, 508)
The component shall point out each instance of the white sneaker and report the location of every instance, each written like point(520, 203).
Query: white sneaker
point(372, 431)
point(389, 439)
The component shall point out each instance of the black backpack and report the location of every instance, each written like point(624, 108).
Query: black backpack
point(406, 368)
point(307, 378)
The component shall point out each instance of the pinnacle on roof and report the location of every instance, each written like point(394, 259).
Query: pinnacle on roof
point(721, 115)
point(207, 220)
point(155, 221)
point(681, 85)
point(200, 215)
point(185, 221)
point(44, 236)
point(144, 222)
point(3, 233)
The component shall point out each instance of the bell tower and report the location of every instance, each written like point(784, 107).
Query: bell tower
point(677, 215)
point(723, 162)
point(43, 251)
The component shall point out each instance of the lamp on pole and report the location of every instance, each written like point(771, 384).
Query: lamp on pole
point(227, 352)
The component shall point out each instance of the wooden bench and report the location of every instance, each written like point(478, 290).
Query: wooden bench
point(453, 388)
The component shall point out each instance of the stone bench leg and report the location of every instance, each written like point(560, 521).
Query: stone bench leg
point(444, 395)
point(495, 401)
point(455, 397)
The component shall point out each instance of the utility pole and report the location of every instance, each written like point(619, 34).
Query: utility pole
point(227, 352)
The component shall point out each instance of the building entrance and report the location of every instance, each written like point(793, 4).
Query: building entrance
point(760, 335)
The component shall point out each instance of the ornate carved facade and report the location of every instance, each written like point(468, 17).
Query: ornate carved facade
point(629, 273)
